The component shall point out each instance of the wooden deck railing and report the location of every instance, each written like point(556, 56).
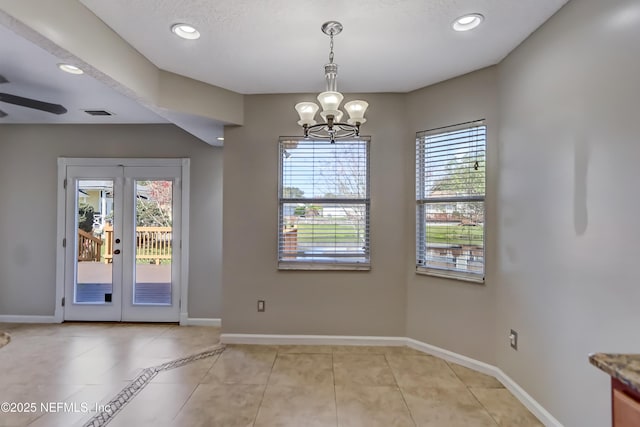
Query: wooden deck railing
point(152, 243)
point(89, 246)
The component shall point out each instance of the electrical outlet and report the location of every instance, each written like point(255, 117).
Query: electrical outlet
point(260, 305)
point(513, 339)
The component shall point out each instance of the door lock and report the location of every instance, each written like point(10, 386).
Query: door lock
point(117, 240)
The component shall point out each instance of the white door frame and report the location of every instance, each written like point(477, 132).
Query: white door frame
point(63, 162)
point(110, 311)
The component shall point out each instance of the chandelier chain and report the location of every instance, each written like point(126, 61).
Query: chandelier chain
point(331, 48)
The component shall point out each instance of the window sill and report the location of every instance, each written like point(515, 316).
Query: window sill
point(464, 277)
point(316, 266)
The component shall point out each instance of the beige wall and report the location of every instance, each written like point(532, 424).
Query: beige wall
point(566, 273)
point(562, 117)
point(455, 315)
point(563, 126)
point(305, 302)
point(28, 191)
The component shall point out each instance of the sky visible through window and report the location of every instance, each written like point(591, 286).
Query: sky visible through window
point(320, 169)
point(446, 153)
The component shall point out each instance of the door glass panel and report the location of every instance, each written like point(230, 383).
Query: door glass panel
point(153, 238)
point(94, 241)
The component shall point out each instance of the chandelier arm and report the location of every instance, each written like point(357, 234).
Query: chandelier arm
point(339, 131)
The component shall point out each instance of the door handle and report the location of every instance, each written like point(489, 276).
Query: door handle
point(116, 252)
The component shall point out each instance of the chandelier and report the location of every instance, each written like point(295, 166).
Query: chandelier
point(332, 128)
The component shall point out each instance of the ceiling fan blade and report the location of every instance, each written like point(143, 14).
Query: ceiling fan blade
point(32, 103)
point(2, 114)
point(3, 80)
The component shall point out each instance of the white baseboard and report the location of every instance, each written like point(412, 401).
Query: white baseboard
point(194, 321)
point(450, 356)
point(8, 318)
point(309, 340)
point(525, 398)
point(536, 409)
point(53, 319)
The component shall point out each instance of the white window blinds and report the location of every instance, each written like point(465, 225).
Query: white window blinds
point(450, 195)
point(323, 204)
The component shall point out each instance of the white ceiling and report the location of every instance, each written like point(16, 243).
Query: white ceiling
point(276, 46)
point(33, 73)
point(250, 46)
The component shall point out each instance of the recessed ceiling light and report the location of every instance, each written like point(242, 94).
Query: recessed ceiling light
point(467, 22)
point(220, 138)
point(185, 31)
point(71, 69)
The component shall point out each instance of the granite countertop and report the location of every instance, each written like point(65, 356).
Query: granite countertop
point(624, 367)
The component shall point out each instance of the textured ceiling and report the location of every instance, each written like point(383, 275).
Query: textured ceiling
point(276, 46)
point(247, 46)
point(33, 73)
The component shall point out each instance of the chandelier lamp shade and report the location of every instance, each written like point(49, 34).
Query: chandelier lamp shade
point(332, 127)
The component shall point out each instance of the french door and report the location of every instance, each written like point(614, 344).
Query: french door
point(122, 243)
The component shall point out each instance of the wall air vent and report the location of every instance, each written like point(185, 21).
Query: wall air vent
point(98, 113)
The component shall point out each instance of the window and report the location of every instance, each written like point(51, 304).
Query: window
point(450, 192)
point(323, 204)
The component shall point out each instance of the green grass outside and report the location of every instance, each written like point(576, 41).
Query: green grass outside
point(340, 233)
point(455, 234)
point(328, 233)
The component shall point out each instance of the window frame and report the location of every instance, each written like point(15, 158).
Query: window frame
point(330, 263)
point(422, 202)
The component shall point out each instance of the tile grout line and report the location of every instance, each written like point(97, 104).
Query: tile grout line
point(185, 401)
point(473, 394)
point(335, 392)
point(404, 399)
point(125, 396)
point(482, 404)
point(194, 389)
point(266, 384)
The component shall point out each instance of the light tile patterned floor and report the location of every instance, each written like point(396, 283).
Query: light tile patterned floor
point(298, 386)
